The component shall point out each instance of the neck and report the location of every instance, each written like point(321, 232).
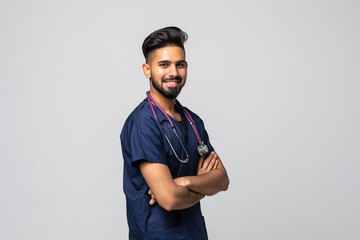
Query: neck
point(168, 105)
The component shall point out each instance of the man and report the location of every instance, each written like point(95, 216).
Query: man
point(164, 175)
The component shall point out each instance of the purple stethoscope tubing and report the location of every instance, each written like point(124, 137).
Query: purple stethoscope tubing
point(191, 121)
point(188, 117)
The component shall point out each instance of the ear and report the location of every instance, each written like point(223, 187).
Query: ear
point(146, 70)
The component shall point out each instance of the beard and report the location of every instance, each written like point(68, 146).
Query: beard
point(173, 92)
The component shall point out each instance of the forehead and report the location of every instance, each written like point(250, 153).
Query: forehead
point(171, 53)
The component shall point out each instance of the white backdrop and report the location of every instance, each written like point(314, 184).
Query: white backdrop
point(276, 82)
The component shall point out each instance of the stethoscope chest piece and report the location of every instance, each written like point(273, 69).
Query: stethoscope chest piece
point(202, 149)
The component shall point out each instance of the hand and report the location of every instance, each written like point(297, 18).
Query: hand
point(208, 164)
point(152, 200)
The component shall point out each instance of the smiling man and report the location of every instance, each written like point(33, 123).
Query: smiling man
point(169, 163)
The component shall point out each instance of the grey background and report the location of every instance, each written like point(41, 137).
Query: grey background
point(276, 82)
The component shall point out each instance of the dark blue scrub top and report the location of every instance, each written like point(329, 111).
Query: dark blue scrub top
point(142, 140)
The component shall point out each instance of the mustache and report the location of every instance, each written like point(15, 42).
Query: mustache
point(177, 78)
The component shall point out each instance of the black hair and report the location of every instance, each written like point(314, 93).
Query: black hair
point(163, 37)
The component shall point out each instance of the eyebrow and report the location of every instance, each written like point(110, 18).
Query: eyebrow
point(167, 61)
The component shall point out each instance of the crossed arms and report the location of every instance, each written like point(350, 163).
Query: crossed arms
point(184, 192)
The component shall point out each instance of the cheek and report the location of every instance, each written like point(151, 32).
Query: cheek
point(183, 73)
point(158, 72)
point(162, 72)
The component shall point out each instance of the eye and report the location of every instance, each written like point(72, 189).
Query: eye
point(181, 65)
point(163, 64)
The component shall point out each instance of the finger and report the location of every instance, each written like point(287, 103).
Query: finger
point(152, 201)
point(150, 192)
point(201, 161)
point(212, 163)
point(208, 160)
point(216, 164)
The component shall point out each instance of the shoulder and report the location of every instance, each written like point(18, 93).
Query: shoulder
point(141, 137)
point(140, 120)
point(140, 113)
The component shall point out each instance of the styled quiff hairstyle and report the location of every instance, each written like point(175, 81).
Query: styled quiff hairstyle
point(163, 37)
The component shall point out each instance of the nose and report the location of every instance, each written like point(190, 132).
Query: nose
point(173, 71)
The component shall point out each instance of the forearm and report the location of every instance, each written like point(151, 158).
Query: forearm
point(209, 183)
point(163, 189)
point(182, 198)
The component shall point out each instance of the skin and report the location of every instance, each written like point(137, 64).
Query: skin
point(183, 192)
point(164, 63)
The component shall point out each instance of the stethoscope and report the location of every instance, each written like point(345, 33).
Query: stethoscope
point(202, 148)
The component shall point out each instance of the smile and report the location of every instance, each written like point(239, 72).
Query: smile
point(172, 82)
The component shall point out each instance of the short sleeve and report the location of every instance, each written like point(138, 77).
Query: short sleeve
point(142, 140)
point(205, 137)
